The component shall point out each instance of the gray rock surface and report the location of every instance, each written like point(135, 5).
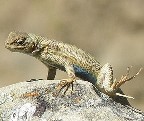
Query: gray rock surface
point(36, 101)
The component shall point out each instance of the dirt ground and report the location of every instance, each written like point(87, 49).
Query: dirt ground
point(112, 31)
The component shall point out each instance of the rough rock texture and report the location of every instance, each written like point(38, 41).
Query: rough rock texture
point(37, 101)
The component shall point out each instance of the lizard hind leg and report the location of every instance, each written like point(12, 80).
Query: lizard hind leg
point(124, 79)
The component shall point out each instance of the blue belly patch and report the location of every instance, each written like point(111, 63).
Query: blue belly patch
point(84, 75)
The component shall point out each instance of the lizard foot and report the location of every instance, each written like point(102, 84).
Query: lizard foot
point(65, 83)
point(125, 78)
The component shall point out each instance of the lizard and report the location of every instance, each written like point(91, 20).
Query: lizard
point(74, 61)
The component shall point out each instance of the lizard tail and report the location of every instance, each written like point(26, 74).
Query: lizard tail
point(118, 94)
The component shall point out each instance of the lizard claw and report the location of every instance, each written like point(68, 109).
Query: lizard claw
point(65, 83)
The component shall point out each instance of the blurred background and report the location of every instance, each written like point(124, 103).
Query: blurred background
point(110, 30)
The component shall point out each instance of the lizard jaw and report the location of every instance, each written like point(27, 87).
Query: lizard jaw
point(14, 48)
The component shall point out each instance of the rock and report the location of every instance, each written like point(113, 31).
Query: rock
point(36, 101)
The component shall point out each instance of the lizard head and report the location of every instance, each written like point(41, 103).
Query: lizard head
point(20, 42)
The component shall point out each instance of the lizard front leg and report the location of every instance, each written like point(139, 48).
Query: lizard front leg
point(67, 82)
point(51, 73)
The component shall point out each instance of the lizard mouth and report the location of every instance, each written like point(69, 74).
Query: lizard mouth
point(13, 47)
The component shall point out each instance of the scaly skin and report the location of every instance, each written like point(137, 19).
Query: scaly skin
point(58, 55)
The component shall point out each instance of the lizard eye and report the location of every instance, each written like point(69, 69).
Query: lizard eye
point(21, 41)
